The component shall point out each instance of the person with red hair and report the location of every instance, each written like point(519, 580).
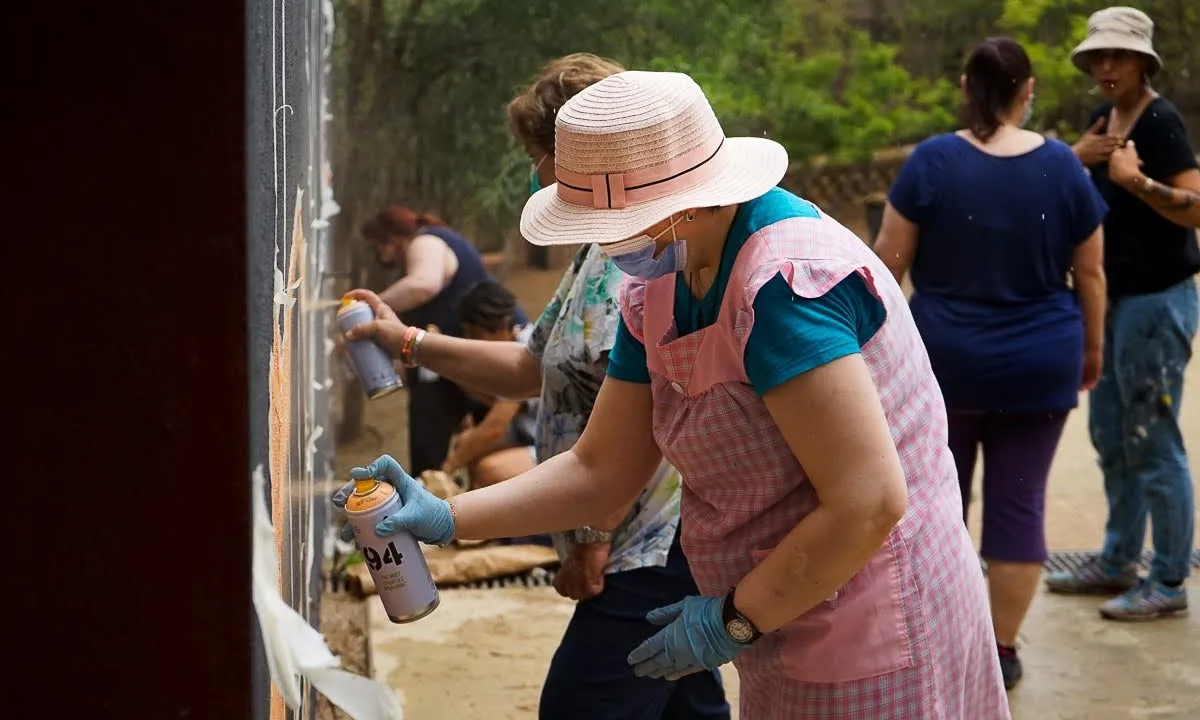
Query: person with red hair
point(437, 266)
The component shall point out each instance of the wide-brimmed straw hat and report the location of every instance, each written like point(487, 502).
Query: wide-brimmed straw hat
point(1118, 28)
point(637, 147)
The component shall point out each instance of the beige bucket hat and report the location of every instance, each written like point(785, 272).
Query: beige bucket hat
point(637, 147)
point(1118, 28)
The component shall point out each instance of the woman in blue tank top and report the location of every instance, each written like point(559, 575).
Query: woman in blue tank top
point(438, 267)
point(993, 220)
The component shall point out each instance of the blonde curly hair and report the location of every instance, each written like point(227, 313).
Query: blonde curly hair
point(531, 114)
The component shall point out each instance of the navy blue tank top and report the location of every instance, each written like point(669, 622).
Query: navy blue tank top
point(440, 310)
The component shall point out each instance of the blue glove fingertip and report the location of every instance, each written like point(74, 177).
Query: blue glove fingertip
point(342, 495)
point(386, 527)
point(649, 647)
point(664, 615)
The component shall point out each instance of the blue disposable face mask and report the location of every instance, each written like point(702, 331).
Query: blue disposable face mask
point(640, 261)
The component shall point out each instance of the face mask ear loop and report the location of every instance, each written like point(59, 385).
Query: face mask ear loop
point(674, 237)
point(680, 250)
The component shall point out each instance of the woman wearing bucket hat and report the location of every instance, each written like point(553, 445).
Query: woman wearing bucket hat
point(770, 356)
point(617, 576)
point(1140, 160)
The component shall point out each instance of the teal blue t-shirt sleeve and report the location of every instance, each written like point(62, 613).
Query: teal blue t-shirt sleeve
point(793, 334)
point(627, 359)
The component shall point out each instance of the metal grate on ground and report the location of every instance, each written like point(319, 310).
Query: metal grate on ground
point(544, 577)
point(1072, 559)
point(537, 577)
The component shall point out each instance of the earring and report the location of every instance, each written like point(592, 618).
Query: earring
point(689, 216)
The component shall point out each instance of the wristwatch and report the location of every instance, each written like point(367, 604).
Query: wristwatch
point(588, 535)
point(739, 627)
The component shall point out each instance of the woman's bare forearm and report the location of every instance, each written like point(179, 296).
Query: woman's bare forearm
point(495, 369)
point(1091, 287)
point(813, 561)
point(855, 469)
point(1180, 205)
point(561, 494)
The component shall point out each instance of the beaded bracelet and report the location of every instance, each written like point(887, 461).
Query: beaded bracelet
point(408, 347)
point(454, 521)
point(410, 334)
point(416, 347)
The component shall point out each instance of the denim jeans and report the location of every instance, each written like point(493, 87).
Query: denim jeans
point(1134, 425)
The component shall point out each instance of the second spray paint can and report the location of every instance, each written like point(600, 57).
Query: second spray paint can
point(373, 365)
point(396, 562)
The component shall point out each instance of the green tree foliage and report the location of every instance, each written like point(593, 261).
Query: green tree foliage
point(420, 86)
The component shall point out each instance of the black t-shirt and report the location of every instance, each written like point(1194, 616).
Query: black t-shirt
point(1143, 251)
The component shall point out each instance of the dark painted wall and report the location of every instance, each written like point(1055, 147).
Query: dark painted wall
point(138, 264)
point(128, 442)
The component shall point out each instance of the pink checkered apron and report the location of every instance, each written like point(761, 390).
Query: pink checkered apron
point(910, 636)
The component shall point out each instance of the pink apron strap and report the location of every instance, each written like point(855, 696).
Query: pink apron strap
point(658, 314)
point(736, 315)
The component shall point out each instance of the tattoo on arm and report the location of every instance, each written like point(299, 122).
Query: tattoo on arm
point(1173, 198)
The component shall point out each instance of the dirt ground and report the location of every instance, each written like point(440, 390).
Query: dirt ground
point(483, 654)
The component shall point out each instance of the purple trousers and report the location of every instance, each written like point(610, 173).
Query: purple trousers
point(1018, 449)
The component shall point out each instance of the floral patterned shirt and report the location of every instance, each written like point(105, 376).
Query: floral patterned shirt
point(571, 340)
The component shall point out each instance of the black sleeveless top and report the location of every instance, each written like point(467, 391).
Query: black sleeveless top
point(440, 310)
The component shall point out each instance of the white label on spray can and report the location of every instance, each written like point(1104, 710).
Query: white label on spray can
point(396, 563)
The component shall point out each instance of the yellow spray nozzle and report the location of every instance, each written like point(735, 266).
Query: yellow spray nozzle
point(347, 301)
point(365, 485)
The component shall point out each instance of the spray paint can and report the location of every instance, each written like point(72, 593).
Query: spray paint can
point(396, 562)
point(372, 363)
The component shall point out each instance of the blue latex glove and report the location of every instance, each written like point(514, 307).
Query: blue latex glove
point(422, 513)
point(694, 639)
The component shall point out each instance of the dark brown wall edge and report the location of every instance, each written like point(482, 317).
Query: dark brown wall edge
point(128, 590)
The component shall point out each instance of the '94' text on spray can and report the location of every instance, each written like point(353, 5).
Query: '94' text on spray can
point(396, 563)
point(372, 363)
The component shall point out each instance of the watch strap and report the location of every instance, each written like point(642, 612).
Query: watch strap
point(730, 614)
point(588, 535)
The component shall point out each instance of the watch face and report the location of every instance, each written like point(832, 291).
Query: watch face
point(739, 630)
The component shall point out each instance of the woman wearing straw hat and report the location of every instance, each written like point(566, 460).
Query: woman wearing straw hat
point(618, 566)
point(1140, 160)
point(771, 356)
